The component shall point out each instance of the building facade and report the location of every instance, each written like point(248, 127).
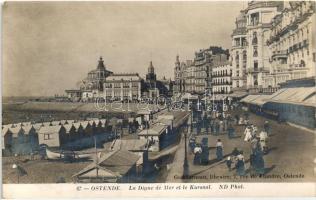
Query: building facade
point(202, 65)
point(103, 84)
point(221, 78)
point(195, 77)
point(259, 15)
point(123, 87)
point(189, 76)
point(292, 44)
point(239, 53)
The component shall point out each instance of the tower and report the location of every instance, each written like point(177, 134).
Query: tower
point(151, 76)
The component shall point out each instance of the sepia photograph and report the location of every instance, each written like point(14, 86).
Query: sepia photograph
point(167, 95)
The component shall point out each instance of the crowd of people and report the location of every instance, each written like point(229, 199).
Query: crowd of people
point(219, 123)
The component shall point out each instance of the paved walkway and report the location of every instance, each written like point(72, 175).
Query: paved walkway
point(291, 156)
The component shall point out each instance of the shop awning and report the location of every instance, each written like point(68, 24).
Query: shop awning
point(305, 96)
point(189, 96)
point(238, 94)
point(258, 100)
point(301, 96)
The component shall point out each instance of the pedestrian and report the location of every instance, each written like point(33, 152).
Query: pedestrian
point(198, 128)
point(217, 128)
point(263, 136)
point(241, 121)
point(225, 124)
point(192, 144)
point(229, 163)
point(221, 126)
point(254, 144)
point(197, 154)
point(254, 130)
point(247, 134)
point(231, 132)
point(237, 119)
point(219, 149)
point(266, 127)
point(252, 161)
point(212, 127)
point(235, 152)
point(259, 162)
point(240, 164)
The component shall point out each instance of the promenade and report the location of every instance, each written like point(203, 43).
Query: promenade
point(290, 158)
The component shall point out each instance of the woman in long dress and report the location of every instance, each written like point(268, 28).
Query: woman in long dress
point(197, 155)
point(259, 162)
point(247, 134)
point(217, 128)
point(231, 132)
point(240, 164)
point(219, 149)
point(263, 141)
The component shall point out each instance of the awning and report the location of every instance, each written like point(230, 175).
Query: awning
point(189, 96)
point(262, 99)
point(238, 94)
point(300, 96)
point(305, 96)
point(258, 100)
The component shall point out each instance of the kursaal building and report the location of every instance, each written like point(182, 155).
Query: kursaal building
point(104, 84)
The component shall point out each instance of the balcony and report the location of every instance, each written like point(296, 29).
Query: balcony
point(240, 31)
point(220, 75)
point(279, 54)
point(223, 83)
point(256, 70)
point(238, 78)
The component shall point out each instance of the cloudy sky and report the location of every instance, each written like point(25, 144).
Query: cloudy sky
point(49, 47)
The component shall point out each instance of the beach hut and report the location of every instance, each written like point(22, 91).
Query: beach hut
point(51, 136)
point(70, 132)
point(7, 140)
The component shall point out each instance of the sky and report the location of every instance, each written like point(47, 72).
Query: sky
point(49, 47)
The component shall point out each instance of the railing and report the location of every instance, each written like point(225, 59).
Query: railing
point(238, 77)
point(222, 83)
point(260, 89)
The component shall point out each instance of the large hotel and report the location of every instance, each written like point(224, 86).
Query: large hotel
point(273, 42)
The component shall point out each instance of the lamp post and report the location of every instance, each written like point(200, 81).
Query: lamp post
point(185, 162)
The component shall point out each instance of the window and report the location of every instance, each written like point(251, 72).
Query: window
point(255, 52)
point(255, 80)
point(244, 56)
point(255, 65)
point(46, 136)
point(126, 85)
point(117, 85)
point(237, 57)
point(254, 39)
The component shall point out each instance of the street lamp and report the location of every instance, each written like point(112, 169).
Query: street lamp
point(189, 130)
point(185, 162)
